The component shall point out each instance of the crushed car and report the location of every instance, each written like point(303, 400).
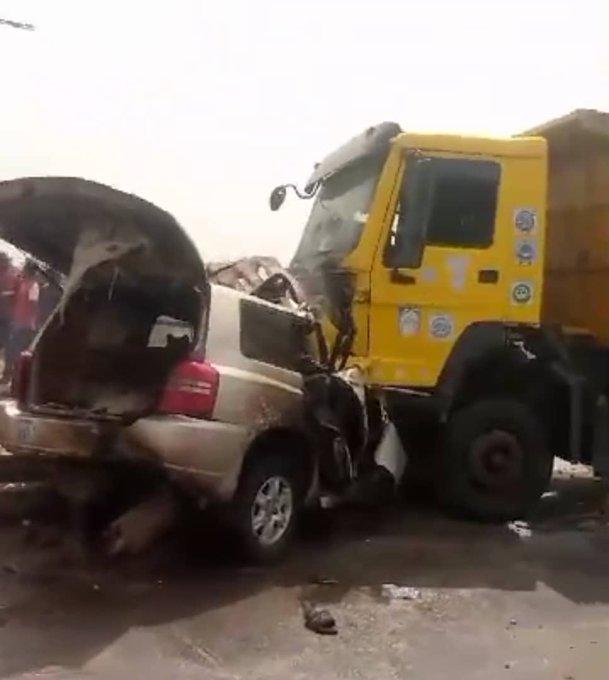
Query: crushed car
point(216, 378)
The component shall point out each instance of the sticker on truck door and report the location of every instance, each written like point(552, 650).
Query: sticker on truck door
point(522, 292)
point(526, 251)
point(525, 220)
point(441, 326)
point(410, 320)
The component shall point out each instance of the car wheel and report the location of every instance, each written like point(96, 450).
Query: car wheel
point(266, 506)
point(496, 463)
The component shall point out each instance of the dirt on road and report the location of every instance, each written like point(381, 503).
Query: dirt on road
point(521, 601)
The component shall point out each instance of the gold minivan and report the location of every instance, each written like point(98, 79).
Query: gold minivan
point(144, 359)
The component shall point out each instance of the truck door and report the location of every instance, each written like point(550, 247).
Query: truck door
point(439, 266)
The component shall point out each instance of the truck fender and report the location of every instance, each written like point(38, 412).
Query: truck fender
point(475, 341)
point(484, 338)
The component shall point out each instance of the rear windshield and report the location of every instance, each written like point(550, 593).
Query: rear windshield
point(166, 330)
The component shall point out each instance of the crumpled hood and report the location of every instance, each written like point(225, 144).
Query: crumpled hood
point(53, 218)
point(245, 274)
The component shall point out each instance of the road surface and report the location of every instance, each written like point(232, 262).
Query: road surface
point(518, 602)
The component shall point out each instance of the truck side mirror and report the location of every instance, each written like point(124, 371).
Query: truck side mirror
point(414, 212)
point(277, 197)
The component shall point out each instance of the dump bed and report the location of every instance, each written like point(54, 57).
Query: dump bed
point(576, 282)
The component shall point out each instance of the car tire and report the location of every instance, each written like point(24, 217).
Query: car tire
point(266, 506)
point(496, 464)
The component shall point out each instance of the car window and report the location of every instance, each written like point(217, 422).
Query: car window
point(273, 336)
point(166, 328)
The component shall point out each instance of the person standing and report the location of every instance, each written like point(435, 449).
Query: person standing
point(7, 293)
point(24, 318)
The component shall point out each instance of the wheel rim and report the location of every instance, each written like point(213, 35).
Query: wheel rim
point(272, 510)
point(496, 460)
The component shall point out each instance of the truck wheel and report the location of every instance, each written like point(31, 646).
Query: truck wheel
point(266, 506)
point(496, 463)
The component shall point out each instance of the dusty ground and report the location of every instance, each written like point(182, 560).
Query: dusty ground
point(494, 602)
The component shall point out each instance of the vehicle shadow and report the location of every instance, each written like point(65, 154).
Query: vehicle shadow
point(565, 546)
point(58, 611)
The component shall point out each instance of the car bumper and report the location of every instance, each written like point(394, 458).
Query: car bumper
point(30, 434)
point(204, 454)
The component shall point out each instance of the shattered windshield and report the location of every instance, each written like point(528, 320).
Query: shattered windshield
point(340, 211)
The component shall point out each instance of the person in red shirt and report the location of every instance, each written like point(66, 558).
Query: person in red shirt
point(24, 321)
point(7, 292)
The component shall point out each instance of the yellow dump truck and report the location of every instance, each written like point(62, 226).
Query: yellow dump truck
point(468, 279)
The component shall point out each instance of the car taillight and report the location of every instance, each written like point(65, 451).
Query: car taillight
point(21, 377)
point(191, 390)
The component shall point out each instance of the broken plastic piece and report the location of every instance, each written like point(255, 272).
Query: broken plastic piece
point(394, 592)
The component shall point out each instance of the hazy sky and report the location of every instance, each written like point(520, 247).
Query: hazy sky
point(204, 106)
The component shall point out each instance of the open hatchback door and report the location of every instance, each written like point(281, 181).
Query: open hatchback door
point(133, 306)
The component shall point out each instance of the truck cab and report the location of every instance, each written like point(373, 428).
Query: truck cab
point(425, 236)
point(426, 256)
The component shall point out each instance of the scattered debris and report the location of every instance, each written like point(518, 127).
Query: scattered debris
point(521, 528)
point(394, 592)
point(319, 620)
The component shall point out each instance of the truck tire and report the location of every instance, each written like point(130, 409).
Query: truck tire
point(496, 462)
point(266, 506)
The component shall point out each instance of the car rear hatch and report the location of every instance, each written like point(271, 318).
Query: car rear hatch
point(133, 307)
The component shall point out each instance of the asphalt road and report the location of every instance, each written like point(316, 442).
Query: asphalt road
point(518, 602)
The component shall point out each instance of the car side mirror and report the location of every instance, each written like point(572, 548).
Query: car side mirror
point(277, 197)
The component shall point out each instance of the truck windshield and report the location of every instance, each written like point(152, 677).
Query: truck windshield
point(340, 211)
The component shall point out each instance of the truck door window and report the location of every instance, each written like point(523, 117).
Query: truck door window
point(464, 203)
point(457, 206)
